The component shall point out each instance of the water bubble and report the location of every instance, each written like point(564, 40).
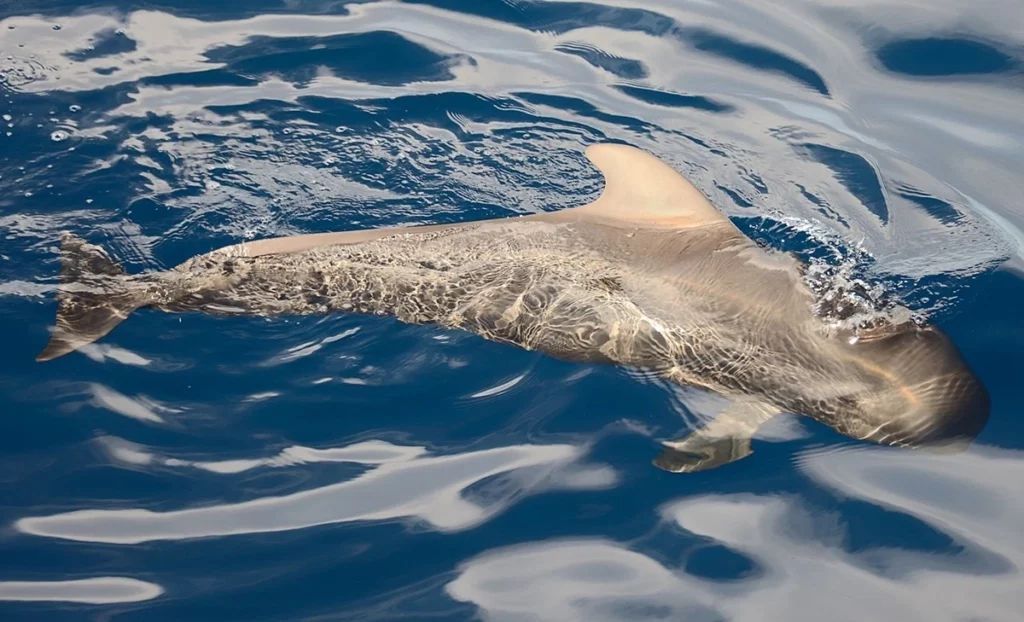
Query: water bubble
point(119, 32)
point(329, 161)
point(74, 107)
point(7, 117)
point(59, 135)
point(339, 129)
point(56, 26)
point(287, 130)
point(212, 185)
point(89, 201)
point(28, 194)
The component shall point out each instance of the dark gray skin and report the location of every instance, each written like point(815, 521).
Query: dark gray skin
point(650, 276)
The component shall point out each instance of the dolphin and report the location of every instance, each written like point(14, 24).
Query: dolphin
point(648, 276)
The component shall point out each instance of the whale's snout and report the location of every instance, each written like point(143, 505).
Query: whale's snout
point(952, 411)
point(934, 400)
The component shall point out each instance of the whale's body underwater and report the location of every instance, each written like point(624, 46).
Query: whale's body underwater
point(649, 276)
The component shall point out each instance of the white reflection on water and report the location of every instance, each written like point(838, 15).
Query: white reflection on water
point(499, 389)
point(803, 567)
point(366, 452)
point(141, 408)
point(100, 352)
point(95, 591)
point(406, 483)
point(906, 128)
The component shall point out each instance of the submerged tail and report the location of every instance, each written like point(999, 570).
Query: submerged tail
point(95, 296)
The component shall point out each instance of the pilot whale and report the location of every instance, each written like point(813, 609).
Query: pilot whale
point(649, 276)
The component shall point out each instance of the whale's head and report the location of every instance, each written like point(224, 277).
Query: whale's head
point(921, 394)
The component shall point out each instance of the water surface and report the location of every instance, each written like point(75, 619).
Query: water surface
point(355, 468)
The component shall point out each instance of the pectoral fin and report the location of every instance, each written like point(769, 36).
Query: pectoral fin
point(723, 440)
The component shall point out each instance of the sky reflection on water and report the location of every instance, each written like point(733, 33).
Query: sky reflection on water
point(367, 470)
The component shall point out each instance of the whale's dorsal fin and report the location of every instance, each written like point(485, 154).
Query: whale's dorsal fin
point(643, 190)
point(640, 191)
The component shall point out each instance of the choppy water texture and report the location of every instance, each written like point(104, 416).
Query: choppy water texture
point(346, 467)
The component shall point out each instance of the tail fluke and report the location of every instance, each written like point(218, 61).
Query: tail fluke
point(95, 296)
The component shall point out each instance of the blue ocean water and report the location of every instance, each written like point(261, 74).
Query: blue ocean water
point(356, 468)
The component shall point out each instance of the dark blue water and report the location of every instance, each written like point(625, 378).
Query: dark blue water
point(354, 468)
